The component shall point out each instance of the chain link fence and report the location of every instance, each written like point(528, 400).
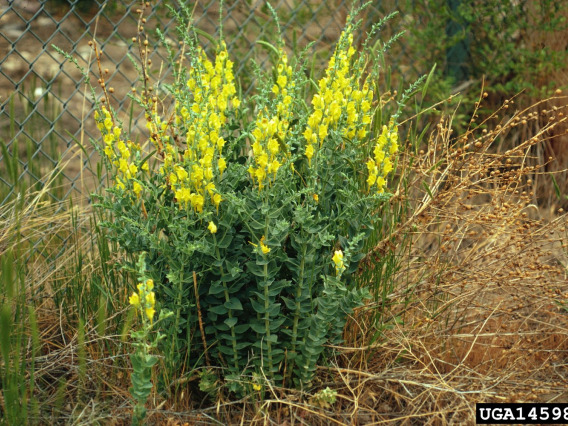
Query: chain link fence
point(45, 108)
point(46, 111)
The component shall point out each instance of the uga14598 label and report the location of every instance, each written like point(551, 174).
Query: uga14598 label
point(526, 413)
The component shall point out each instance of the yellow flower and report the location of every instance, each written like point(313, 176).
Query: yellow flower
point(263, 246)
point(273, 166)
point(252, 171)
point(273, 146)
point(183, 195)
point(212, 227)
point(262, 160)
point(150, 284)
point(151, 298)
point(120, 184)
point(220, 143)
point(109, 152)
point(282, 80)
point(150, 313)
point(322, 132)
point(108, 123)
point(134, 300)
point(181, 173)
point(381, 183)
point(217, 200)
point(338, 260)
point(197, 202)
point(222, 164)
point(310, 152)
point(256, 386)
point(393, 148)
point(173, 178)
point(136, 188)
point(387, 166)
point(123, 165)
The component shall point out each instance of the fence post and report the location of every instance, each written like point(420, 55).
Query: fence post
point(457, 54)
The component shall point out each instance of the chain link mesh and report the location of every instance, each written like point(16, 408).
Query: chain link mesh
point(45, 108)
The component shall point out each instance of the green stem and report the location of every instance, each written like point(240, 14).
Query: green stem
point(300, 286)
point(266, 308)
point(178, 315)
point(230, 313)
point(267, 319)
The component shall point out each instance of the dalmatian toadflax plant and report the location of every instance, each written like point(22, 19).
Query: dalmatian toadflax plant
point(253, 213)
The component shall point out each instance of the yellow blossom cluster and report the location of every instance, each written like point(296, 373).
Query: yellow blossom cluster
point(380, 165)
point(271, 130)
point(340, 103)
point(145, 299)
point(191, 172)
point(119, 152)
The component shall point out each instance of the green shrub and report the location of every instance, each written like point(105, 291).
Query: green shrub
point(507, 45)
point(253, 213)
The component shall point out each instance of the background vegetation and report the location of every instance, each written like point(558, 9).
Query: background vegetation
point(469, 268)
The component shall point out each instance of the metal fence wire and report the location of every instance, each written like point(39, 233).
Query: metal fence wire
point(45, 109)
point(46, 112)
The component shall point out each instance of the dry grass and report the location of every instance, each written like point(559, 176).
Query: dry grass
point(486, 275)
point(477, 316)
point(486, 322)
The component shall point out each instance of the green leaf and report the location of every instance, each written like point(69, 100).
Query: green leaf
point(427, 188)
point(270, 46)
point(231, 322)
point(276, 288)
point(277, 352)
point(255, 269)
point(234, 269)
point(275, 324)
point(228, 278)
point(208, 36)
point(242, 345)
point(258, 307)
point(222, 327)
point(259, 295)
point(225, 241)
point(290, 303)
point(273, 338)
point(556, 187)
point(226, 350)
point(241, 328)
point(258, 327)
point(216, 288)
point(234, 303)
point(219, 310)
point(150, 361)
point(274, 309)
point(428, 79)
